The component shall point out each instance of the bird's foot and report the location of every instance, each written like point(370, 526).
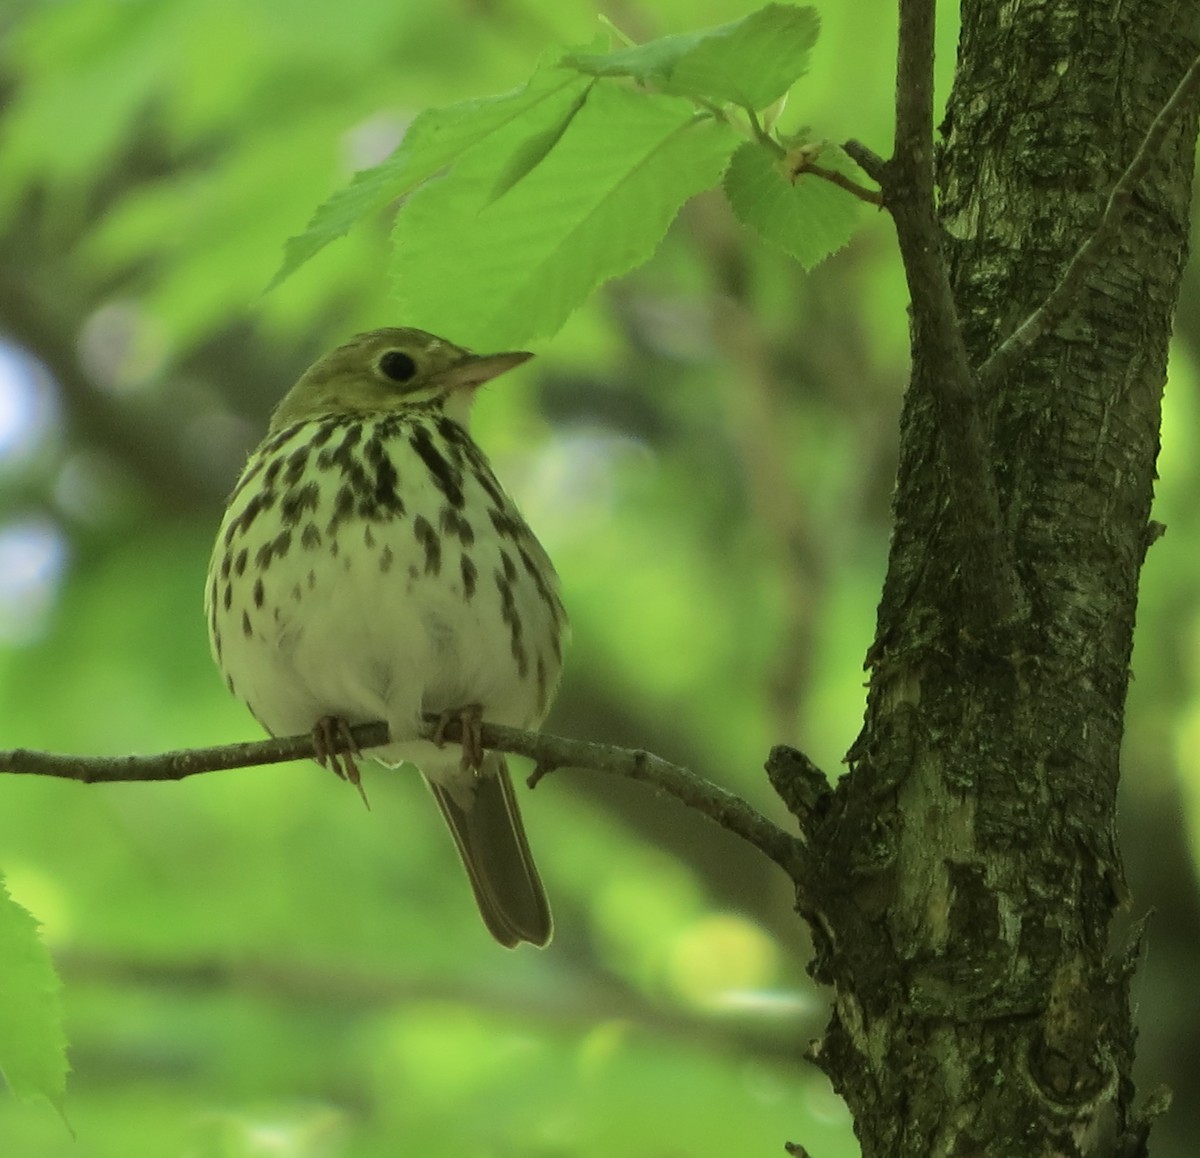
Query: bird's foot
point(471, 719)
point(335, 748)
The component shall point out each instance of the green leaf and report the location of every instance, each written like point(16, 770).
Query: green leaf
point(651, 63)
point(807, 216)
point(535, 148)
point(751, 62)
point(437, 138)
point(33, 1046)
point(491, 272)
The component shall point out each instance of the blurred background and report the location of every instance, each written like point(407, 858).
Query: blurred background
point(256, 965)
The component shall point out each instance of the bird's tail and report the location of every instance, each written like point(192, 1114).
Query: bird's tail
point(491, 841)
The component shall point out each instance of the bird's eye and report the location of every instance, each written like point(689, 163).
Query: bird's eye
point(397, 365)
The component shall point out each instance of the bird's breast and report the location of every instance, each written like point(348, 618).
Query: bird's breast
point(366, 565)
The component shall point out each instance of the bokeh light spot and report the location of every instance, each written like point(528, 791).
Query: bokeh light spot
point(122, 348)
point(33, 556)
point(719, 955)
point(28, 407)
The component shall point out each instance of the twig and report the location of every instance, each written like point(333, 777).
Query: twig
point(867, 160)
point(729, 811)
point(1062, 297)
point(870, 196)
point(547, 752)
point(176, 765)
point(803, 159)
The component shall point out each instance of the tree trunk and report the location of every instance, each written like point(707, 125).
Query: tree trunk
point(968, 867)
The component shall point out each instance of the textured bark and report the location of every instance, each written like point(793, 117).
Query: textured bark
point(968, 867)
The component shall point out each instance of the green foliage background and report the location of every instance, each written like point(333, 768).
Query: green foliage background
point(253, 964)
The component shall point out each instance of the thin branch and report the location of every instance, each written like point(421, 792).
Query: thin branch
point(913, 153)
point(1062, 297)
point(803, 159)
point(939, 353)
point(870, 196)
point(729, 811)
point(867, 160)
point(547, 752)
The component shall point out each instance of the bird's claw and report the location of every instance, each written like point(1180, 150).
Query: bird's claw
point(335, 748)
point(471, 719)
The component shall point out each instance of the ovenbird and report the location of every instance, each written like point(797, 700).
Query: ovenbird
point(371, 567)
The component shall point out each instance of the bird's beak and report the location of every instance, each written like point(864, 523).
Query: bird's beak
point(476, 369)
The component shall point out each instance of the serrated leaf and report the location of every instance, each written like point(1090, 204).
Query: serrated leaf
point(535, 148)
point(751, 62)
point(33, 1046)
point(650, 63)
point(436, 139)
point(491, 273)
point(807, 217)
point(756, 62)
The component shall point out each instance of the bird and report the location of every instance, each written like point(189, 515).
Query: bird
point(370, 566)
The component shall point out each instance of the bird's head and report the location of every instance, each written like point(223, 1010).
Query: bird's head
point(385, 371)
